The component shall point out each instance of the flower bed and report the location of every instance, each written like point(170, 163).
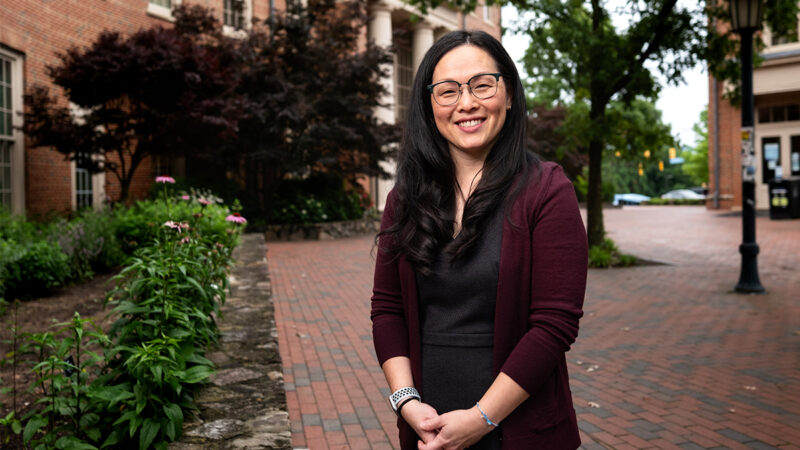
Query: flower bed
point(133, 385)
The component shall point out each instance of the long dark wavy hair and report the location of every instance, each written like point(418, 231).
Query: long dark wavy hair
point(424, 190)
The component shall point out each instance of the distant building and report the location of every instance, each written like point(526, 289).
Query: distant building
point(412, 40)
point(39, 180)
point(776, 88)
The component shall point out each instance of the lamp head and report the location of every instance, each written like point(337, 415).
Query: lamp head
point(745, 14)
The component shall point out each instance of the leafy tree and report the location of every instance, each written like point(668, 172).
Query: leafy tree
point(576, 54)
point(313, 93)
point(159, 91)
point(549, 137)
point(696, 159)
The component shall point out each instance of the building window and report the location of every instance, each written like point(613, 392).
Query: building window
point(162, 8)
point(162, 165)
point(794, 160)
point(770, 157)
point(779, 113)
point(233, 14)
point(84, 194)
point(487, 13)
point(6, 131)
point(5, 174)
point(404, 77)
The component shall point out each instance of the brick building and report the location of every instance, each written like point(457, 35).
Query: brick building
point(776, 88)
point(39, 180)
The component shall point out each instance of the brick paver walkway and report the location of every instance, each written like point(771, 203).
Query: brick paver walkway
point(668, 356)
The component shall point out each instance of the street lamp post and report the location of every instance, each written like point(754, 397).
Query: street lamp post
point(745, 20)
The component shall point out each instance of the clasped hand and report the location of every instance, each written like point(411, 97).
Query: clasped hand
point(454, 430)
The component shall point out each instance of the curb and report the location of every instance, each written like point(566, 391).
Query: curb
point(244, 405)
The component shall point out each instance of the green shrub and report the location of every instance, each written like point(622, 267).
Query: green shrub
point(36, 258)
point(141, 224)
point(674, 201)
point(318, 198)
point(90, 242)
point(131, 387)
point(608, 255)
point(32, 269)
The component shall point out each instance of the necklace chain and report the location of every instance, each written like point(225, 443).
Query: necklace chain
point(469, 190)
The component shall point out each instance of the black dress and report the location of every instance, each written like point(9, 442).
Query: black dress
point(457, 304)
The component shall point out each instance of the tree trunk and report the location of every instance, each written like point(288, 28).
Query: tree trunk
point(124, 186)
point(595, 229)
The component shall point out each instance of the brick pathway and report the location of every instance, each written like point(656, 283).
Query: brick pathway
point(667, 357)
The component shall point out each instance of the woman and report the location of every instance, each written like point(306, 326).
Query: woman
point(481, 265)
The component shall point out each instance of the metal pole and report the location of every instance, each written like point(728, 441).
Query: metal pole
point(748, 278)
point(717, 191)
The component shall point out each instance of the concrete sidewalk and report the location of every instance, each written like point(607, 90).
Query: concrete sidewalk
point(668, 356)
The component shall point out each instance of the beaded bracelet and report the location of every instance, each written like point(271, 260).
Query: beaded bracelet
point(485, 417)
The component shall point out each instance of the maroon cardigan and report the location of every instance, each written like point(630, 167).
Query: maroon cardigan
point(540, 290)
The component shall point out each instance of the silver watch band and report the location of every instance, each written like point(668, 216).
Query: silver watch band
point(401, 396)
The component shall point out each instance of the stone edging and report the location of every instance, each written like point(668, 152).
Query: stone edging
point(321, 231)
point(244, 405)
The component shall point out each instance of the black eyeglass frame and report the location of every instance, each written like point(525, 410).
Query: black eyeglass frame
point(469, 87)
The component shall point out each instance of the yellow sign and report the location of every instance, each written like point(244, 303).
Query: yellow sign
point(745, 135)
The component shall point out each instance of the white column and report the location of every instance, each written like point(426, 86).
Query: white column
point(380, 32)
point(422, 41)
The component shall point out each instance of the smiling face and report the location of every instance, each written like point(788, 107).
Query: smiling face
point(471, 125)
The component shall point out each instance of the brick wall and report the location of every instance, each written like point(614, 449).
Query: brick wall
point(730, 178)
point(477, 21)
point(40, 30)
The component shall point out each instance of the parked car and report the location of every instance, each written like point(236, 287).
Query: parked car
point(629, 199)
point(683, 194)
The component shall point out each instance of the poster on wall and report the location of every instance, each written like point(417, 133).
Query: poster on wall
point(748, 155)
point(771, 152)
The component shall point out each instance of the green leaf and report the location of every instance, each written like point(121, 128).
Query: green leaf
point(125, 417)
point(199, 288)
point(175, 416)
point(33, 425)
point(112, 439)
point(88, 420)
point(73, 443)
point(194, 374)
point(157, 372)
point(149, 432)
point(16, 426)
point(93, 434)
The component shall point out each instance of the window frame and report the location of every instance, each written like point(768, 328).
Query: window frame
point(17, 149)
point(247, 19)
point(162, 12)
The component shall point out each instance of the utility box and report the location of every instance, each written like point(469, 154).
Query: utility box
point(784, 198)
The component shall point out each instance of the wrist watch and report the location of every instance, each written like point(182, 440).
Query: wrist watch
point(402, 396)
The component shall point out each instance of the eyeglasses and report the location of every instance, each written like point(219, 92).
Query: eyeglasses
point(481, 86)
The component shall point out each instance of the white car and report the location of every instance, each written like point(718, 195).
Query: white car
point(629, 199)
point(683, 194)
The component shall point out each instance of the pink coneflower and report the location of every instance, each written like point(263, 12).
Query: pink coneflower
point(185, 197)
point(176, 226)
point(165, 179)
point(185, 240)
point(203, 201)
point(236, 218)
